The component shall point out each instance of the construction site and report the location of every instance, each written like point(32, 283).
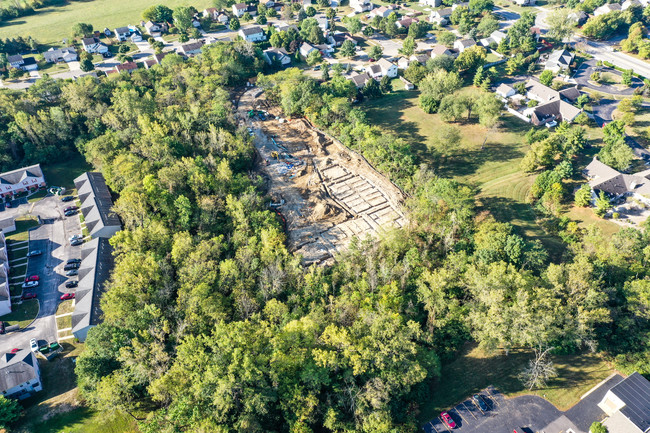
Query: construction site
point(325, 193)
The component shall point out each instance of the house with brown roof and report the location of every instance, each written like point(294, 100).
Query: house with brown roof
point(615, 184)
point(191, 48)
point(440, 50)
point(440, 16)
point(360, 80)
point(126, 67)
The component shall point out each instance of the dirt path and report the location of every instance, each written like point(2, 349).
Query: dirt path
point(327, 194)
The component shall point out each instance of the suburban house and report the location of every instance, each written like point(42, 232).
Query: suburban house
point(96, 265)
point(191, 48)
point(92, 46)
point(629, 3)
point(154, 29)
point(126, 67)
point(239, 9)
point(505, 91)
point(122, 33)
point(382, 11)
point(403, 63)
point(361, 5)
point(15, 61)
point(360, 80)
point(67, 54)
point(136, 37)
point(607, 8)
point(553, 107)
point(559, 60)
point(580, 17)
point(459, 5)
point(495, 37)
point(305, 49)
point(463, 44)
point(96, 205)
point(337, 39)
point(154, 60)
point(405, 23)
point(627, 406)
point(440, 16)
point(212, 13)
point(420, 58)
point(540, 93)
point(278, 55)
point(387, 68)
point(525, 2)
point(323, 23)
point(431, 3)
point(440, 50)
point(615, 184)
point(281, 26)
point(374, 70)
point(21, 180)
point(252, 34)
point(20, 376)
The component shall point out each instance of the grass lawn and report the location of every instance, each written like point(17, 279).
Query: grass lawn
point(16, 289)
point(22, 230)
point(474, 370)
point(51, 24)
point(37, 196)
point(22, 314)
point(64, 322)
point(53, 68)
point(17, 253)
point(64, 307)
point(19, 270)
point(493, 169)
point(63, 173)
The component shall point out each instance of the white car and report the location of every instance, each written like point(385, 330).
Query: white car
point(30, 284)
point(74, 237)
point(33, 345)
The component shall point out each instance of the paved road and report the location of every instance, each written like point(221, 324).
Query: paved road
point(604, 51)
point(51, 237)
point(583, 75)
point(603, 111)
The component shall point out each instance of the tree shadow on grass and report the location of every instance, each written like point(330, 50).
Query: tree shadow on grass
point(472, 160)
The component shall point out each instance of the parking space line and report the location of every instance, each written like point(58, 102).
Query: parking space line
point(445, 424)
point(434, 427)
point(460, 414)
point(468, 410)
point(492, 397)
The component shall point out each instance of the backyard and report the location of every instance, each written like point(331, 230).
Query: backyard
point(64, 172)
point(51, 24)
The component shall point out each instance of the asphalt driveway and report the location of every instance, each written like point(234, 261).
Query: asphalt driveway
point(583, 74)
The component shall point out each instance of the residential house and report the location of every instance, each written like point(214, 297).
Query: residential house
point(420, 58)
point(405, 23)
point(431, 3)
point(281, 26)
point(374, 70)
point(122, 33)
point(107, 32)
point(559, 60)
point(67, 54)
point(94, 46)
point(382, 11)
point(360, 80)
point(192, 48)
point(305, 49)
point(252, 34)
point(525, 2)
point(495, 37)
point(239, 9)
point(323, 23)
point(387, 68)
point(403, 63)
point(440, 16)
point(212, 13)
point(580, 17)
point(552, 106)
point(154, 29)
point(615, 184)
point(505, 91)
point(29, 64)
point(360, 6)
point(96, 205)
point(5, 295)
point(627, 405)
point(440, 50)
point(326, 50)
point(629, 3)
point(15, 61)
point(157, 58)
point(21, 180)
point(94, 270)
point(149, 63)
point(407, 84)
point(135, 37)
point(126, 67)
point(278, 55)
point(459, 5)
point(540, 93)
point(570, 94)
point(20, 375)
point(607, 8)
point(463, 44)
point(337, 39)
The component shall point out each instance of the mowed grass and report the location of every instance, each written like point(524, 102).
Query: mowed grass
point(22, 314)
point(64, 172)
point(487, 159)
point(22, 230)
point(50, 25)
point(474, 370)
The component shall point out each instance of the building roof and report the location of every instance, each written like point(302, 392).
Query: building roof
point(384, 64)
point(96, 265)
point(240, 6)
point(122, 30)
point(192, 46)
point(439, 50)
point(444, 12)
point(251, 30)
point(605, 178)
point(16, 369)
point(541, 91)
point(96, 202)
point(16, 176)
point(89, 41)
point(562, 58)
point(360, 80)
point(504, 89)
point(374, 69)
point(634, 391)
point(15, 58)
point(126, 66)
point(556, 110)
point(29, 61)
point(571, 93)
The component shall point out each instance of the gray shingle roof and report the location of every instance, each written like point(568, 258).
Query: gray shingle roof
point(252, 30)
point(96, 202)
point(16, 368)
point(635, 393)
point(15, 176)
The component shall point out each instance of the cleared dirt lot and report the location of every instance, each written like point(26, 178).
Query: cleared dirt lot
point(326, 194)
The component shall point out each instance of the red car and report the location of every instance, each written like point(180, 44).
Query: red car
point(14, 350)
point(28, 296)
point(448, 420)
point(67, 296)
point(32, 278)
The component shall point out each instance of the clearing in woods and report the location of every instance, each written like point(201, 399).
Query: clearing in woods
point(326, 194)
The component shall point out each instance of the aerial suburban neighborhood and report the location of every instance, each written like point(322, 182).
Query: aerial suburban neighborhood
point(325, 216)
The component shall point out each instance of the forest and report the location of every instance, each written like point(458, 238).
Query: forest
point(211, 324)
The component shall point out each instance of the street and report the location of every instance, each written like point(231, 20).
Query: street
point(51, 238)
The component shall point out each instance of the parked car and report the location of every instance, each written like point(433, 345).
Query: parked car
point(72, 273)
point(15, 350)
point(70, 213)
point(77, 242)
point(73, 237)
point(73, 261)
point(71, 284)
point(69, 208)
point(448, 420)
point(71, 266)
point(33, 345)
point(27, 296)
point(34, 253)
point(479, 402)
point(30, 284)
point(67, 198)
point(32, 278)
point(67, 296)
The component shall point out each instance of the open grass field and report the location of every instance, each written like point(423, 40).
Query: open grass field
point(63, 173)
point(22, 230)
point(22, 314)
point(474, 370)
point(50, 25)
